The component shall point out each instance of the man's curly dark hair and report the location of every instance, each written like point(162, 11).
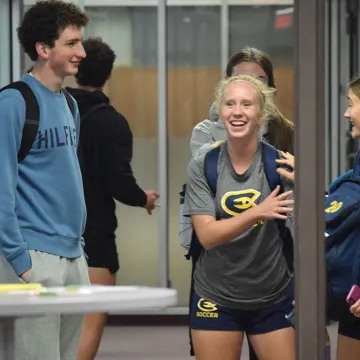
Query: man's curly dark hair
point(96, 68)
point(44, 21)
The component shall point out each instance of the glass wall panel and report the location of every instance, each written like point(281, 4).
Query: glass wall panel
point(193, 70)
point(5, 43)
point(269, 28)
point(132, 89)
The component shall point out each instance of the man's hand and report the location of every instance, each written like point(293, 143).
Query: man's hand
point(25, 276)
point(151, 196)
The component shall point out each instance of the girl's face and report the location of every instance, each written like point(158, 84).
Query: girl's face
point(241, 110)
point(353, 114)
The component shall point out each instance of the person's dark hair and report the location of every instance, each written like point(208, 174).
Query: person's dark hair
point(355, 85)
point(96, 68)
point(280, 131)
point(44, 21)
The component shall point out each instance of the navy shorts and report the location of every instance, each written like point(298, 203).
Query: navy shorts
point(349, 325)
point(208, 316)
point(102, 253)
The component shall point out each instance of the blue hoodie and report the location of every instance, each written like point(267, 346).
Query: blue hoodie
point(42, 204)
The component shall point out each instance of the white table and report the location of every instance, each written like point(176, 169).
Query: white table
point(92, 299)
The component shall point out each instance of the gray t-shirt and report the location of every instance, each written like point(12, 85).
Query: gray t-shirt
point(250, 271)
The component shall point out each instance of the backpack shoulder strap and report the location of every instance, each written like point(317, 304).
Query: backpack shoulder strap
point(270, 154)
point(92, 111)
point(211, 175)
point(69, 101)
point(210, 168)
point(32, 116)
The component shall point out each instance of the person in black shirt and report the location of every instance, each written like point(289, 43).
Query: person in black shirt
point(105, 153)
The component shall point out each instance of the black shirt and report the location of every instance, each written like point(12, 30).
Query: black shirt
point(106, 154)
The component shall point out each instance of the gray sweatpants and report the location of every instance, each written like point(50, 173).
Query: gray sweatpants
point(49, 337)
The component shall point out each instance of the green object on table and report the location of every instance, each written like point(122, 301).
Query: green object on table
point(48, 293)
point(72, 287)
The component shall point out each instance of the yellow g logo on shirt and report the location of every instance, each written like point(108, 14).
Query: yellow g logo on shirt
point(236, 202)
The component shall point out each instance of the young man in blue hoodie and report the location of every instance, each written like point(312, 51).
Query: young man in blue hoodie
point(42, 207)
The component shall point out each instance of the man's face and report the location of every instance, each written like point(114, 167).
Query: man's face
point(64, 58)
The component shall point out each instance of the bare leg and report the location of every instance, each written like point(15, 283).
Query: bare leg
point(347, 348)
point(94, 323)
point(215, 345)
point(276, 345)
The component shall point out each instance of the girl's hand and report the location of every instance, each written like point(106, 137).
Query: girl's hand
point(275, 206)
point(355, 309)
point(289, 161)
